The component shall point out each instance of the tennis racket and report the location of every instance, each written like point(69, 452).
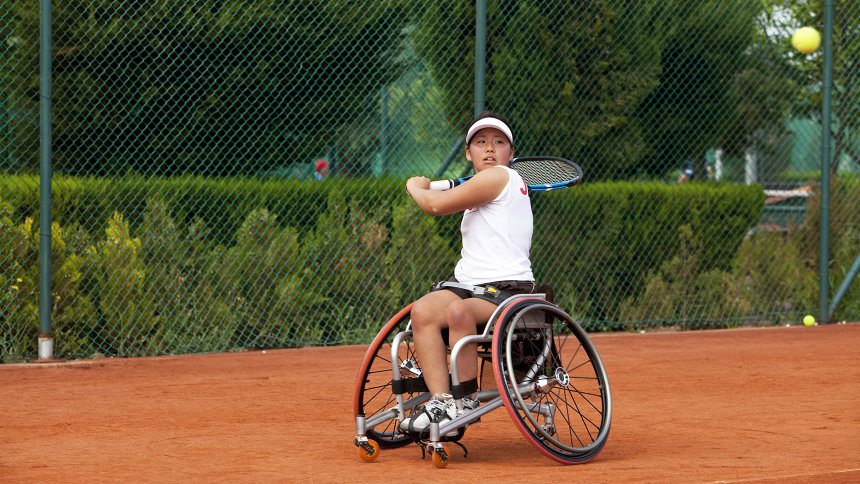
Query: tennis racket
point(541, 173)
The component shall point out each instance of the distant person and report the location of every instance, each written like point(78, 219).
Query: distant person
point(689, 172)
point(320, 169)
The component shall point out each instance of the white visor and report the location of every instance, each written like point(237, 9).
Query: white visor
point(489, 123)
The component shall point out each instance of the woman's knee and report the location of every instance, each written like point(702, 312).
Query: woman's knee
point(427, 312)
point(460, 318)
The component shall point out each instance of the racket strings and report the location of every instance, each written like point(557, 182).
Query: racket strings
point(545, 172)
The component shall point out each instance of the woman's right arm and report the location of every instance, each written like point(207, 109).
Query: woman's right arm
point(481, 189)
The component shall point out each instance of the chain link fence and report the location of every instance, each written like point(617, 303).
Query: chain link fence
point(229, 175)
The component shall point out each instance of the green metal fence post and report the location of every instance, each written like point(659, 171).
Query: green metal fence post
point(480, 54)
point(824, 245)
point(46, 341)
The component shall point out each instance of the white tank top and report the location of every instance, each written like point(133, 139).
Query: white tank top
point(497, 237)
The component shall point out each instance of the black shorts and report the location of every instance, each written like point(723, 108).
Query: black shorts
point(509, 288)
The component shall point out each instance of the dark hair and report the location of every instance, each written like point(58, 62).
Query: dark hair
point(492, 114)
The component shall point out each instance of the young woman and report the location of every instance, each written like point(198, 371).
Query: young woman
point(497, 232)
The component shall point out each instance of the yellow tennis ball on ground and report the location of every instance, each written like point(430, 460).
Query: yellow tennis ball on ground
point(808, 320)
point(806, 40)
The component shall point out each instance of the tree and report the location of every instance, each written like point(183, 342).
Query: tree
point(568, 74)
point(697, 106)
point(19, 98)
point(579, 70)
point(624, 87)
point(215, 87)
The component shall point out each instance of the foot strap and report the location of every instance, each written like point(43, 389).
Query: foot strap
point(467, 387)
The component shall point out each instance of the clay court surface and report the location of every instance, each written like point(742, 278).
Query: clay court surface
point(747, 405)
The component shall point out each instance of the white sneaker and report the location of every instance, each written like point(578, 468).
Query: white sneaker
point(436, 410)
point(468, 406)
point(440, 409)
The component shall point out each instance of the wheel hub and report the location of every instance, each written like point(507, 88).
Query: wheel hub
point(562, 377)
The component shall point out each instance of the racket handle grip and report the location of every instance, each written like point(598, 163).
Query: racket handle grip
point(441, 185)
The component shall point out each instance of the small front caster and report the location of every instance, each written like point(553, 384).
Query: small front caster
point(439, 455)
point(368, 450)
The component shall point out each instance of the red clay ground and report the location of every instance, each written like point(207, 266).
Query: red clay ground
point(748, 405)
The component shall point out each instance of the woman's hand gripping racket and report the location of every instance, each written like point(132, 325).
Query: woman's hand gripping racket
point(541, 173)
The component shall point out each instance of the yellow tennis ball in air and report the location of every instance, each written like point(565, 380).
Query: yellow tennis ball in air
point(806, 40)
point(808, 320)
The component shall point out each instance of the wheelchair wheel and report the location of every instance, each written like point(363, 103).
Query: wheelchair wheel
point(374, 393)
point(551, 381)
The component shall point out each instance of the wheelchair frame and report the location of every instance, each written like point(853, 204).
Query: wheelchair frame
point(523, 320)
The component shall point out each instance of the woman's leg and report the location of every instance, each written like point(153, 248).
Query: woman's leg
point(430, 315)
point(463, 317)
point(428, 320)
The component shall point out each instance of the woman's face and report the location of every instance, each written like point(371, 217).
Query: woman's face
point(488, 148)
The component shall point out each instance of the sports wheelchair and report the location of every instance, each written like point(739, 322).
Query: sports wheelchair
point(534, 360)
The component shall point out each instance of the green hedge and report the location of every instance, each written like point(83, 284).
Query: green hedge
point(221, 203)
point(158, 266)
point(597, 243)
point(844, 239)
